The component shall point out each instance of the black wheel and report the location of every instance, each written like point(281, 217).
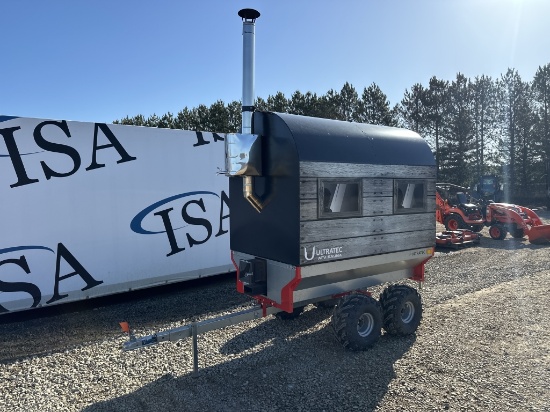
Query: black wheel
point(454, 222)
point(517, 232)
point(357, 322)
point(292, 315)
point(477, 228)
point(402, 309)
point(498, 232)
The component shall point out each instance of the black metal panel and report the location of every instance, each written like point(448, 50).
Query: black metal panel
point(273, 233)
point(323, 140)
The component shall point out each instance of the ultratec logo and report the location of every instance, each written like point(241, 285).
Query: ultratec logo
point(323, 254)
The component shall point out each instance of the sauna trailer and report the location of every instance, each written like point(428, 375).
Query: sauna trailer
point(321, 210)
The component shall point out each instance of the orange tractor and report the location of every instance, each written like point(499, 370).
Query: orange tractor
point(455, 213)
point(518, 220)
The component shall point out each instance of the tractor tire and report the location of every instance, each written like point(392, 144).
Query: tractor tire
point(477, 228)
point(517, 233)
point(357, 322)
point(454, 222)
point(401, 310)
point(498, 232)
point(292, 315)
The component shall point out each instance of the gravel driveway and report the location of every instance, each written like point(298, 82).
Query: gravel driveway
point(483, 345)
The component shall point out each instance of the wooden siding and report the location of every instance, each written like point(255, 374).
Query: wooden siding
point(365, 246)
point(378, 230)
point(377, 197)
point(321, 230)
point(350, 170)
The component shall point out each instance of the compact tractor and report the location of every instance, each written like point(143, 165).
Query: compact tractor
point(462, 220)
point(456, 213)
point(519, 221)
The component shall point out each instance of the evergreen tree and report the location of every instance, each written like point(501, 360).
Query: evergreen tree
point(412, 109)
point(234, 114)
point(484, 117)
point(511, 91)
point(457, 150)
point(218, 118)
point(434, 99)
point(329, 105)
point(278, 103)
point(541, 101)
point(374, 108)
point(347, 103)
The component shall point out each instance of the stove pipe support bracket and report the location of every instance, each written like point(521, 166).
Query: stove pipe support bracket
point(249, 17)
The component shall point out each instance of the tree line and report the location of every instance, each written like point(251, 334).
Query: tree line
point(474, 126)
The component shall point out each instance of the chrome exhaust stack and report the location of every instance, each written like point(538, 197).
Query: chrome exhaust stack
point(249, 17)
point(243, 156)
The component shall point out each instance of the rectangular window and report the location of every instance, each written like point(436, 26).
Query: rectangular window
point(409, 196)
point(340, 198)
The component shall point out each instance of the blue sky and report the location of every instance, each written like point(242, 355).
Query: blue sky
point(102, 60)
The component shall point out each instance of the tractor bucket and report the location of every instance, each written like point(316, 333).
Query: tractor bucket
point(539, 234)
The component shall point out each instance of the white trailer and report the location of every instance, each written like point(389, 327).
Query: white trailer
point(91, 209)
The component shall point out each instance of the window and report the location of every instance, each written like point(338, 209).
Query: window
point(409, 196)
point(340, 198)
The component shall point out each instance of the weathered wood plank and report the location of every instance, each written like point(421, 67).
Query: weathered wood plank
point(371, 187)
point(308, 188)
point(372, 206)
point(326, 251)
point(321, 230)
point(377, 187)
point(318, 169)
point(430, 204)
point(308, 210)
point(377, 206)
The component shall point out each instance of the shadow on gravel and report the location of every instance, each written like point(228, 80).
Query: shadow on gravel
point(295, 369)
point(60, 327)
point(508, 243)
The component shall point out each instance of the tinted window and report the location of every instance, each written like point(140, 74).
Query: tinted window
point(409, 196)
point(339, 198)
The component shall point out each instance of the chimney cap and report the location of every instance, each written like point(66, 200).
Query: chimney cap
point(249, 14)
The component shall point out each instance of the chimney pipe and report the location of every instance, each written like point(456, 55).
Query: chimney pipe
point(240, 147)
point(249, 17)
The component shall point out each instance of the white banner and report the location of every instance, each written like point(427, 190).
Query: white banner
point(90, 209)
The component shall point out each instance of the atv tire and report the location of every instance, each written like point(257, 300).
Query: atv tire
point(357, 322)
point(401, 310)
point(454, 222)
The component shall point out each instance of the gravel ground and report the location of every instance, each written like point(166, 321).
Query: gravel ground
point(483, 345)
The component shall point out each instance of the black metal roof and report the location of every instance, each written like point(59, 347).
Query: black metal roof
point(324, 140)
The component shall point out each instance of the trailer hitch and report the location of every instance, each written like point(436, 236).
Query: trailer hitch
point(194, 329)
